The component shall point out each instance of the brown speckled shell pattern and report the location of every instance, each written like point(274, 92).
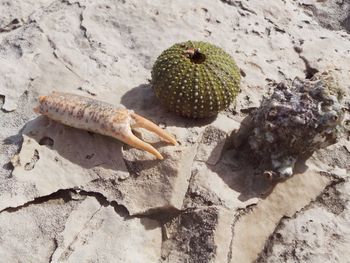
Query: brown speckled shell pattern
point(100, 117)
point(194, 89)
point(85, 113)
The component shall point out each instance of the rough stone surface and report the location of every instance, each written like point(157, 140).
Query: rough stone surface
point(331, 14)
point(198, 235)
point(67, 195)
point(71, 227)
point(262, 219)
point(322, 234)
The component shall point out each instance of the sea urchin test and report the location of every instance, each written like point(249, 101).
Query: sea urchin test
point(195, 79)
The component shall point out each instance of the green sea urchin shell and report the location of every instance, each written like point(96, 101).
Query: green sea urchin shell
point(195, 79)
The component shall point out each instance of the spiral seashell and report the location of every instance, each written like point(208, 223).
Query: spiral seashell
point(295, 121)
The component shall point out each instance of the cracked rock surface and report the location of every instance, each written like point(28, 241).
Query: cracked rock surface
point(67, 195)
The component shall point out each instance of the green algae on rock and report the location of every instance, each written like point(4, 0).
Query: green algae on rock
point(195, 79)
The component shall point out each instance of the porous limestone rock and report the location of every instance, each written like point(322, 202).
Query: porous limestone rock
point(69, 227)
point(194, 235)
point(97, 233)
point(133, 181)
point(106, 49)
point(309, 237)
point(252, 229)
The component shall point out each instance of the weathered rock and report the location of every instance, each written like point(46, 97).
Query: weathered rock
point(214, 139)
point(318, 233)
point(32, 232)
point(252, 229)
point(230, 188)
point(106, 49)
point(161, 186)
point(94, 232)
point(333, 15)
point(65, 228)
point(139, 182)
point(17, 68)
point(195, 235)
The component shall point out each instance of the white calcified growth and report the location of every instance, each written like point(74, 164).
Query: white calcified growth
point(296, 120)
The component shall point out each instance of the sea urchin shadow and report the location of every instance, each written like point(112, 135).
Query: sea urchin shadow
point(142, 100)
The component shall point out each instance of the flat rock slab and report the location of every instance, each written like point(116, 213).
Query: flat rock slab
point(54, 156)
point(67, 195)
point(284, 201)
point(76, 228)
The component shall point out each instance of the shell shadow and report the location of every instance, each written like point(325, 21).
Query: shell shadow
point(239, 170)
point(242, 171)
point(238, 167)
point(142, 100)
point(86, 149)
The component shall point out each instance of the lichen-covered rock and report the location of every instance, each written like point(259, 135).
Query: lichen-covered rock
point(192, 236)
point(296, 120)
point(195, 79)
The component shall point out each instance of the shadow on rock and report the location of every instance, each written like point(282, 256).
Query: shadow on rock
point(243, 171)
point(83, 148)
point(149, 224)
point(142, 100)
point(239, 170)
point(237, 167)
